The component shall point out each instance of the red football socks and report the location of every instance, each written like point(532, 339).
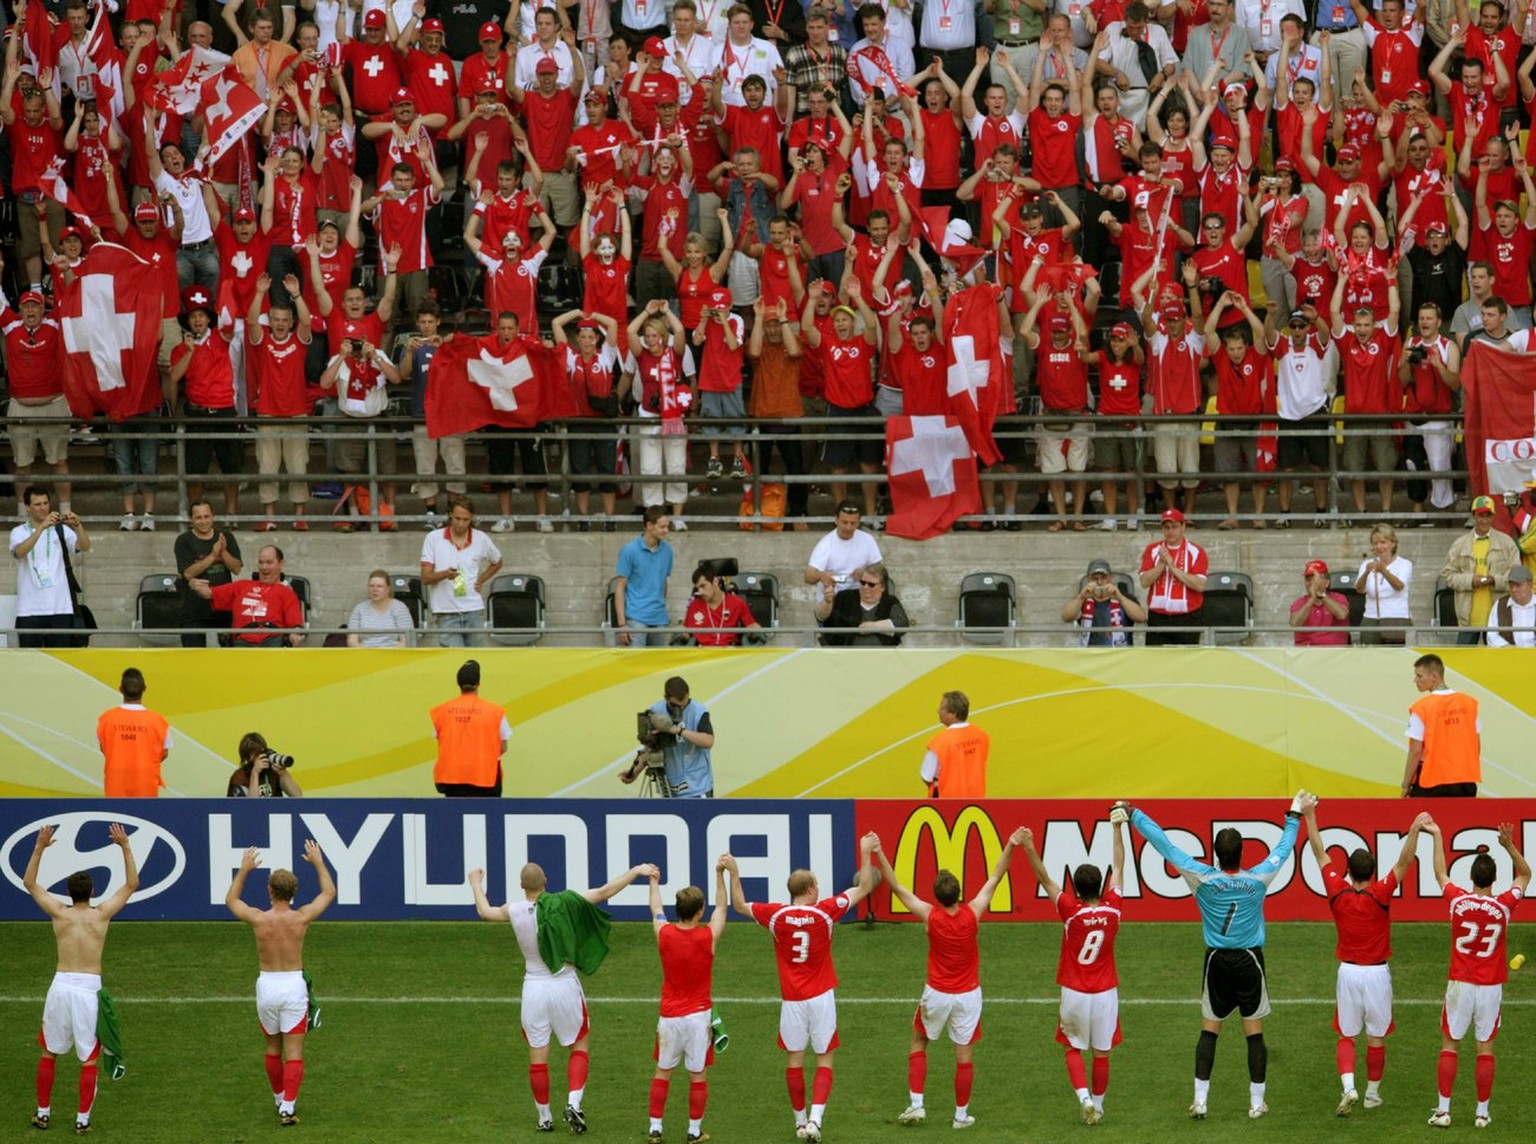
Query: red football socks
point(659, 1098)
point(1484, 1076)
point(293, 1076)
point(538, 1080)
point(698, 1097)
point(963, 1077)
point(576, 1071)
point(1345, 1055)
point(1077, 1072)
point(917, 1071)
point(795, 1079)
point(88, 1085)
point(275, 1072)
point(821, 1086)
point(1447, 1072)
point(45, 1067)
point(1100, 1075)
point(1375, 1061)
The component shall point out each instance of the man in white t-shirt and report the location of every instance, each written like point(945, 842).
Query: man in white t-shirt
point(842, 551)
point(42, 584)
point(197, 262)
point(742, 54)
point(1306, 374)
point(456, 564)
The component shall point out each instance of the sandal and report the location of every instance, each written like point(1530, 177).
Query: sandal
point(1079, 526)
point(1056, 526)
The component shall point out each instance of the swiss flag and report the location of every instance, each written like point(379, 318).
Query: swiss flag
point(110, 315)
point(231, 108)
point(108, 58)
point(975, 374)
point(931, 468)
point(1500, 420)
point(179, 88)
point(478, 382)
point(55, 187)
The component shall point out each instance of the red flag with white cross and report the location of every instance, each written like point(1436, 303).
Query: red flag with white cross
point(478, 382)
point(110, 317)
point(975, 374)
point(231, 108)
point(931, 468)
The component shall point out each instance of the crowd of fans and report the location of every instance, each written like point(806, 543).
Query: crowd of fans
point(757, 213)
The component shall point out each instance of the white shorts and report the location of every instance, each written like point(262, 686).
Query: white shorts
point(553, 1005)
point(686, 1039)
point(959, 1014)
point(1363, 1000)
point(1089, 1020)
point(282, 1001)
point(811, 1023)
point(1471, 1006)
point(69, 1014)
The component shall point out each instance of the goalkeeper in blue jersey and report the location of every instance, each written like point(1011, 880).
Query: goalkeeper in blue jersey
point(1231, 902)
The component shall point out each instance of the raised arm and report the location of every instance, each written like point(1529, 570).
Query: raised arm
point(983, 898)
point(483, 906)
point(249, 861)
point(1410, 848)
point(1026, 839)
point(1522, 867)
point(915, 905)
point(609, 889)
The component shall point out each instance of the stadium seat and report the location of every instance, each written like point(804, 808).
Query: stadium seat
point(516, 600)
point(1228, 608)
point(410, 591)
point(761, 592)
point(987, 600)
point(610, 615)
point(158, 607)
point(1344, 584)
point(1445, 604)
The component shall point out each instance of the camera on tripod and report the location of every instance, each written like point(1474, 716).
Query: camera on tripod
point(653, 730)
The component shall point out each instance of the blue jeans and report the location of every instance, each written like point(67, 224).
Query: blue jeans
point(135, 452)
point(1469, 637)
point(647, 635)
point(460, 629)
point(199, 266)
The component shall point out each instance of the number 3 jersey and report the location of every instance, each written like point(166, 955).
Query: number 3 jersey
point(1088, 941)
point(1479, 924)
point(802, 938)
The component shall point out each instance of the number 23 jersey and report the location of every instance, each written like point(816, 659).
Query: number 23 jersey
point(1479, 924)
point(1088, 941)
point(802, 939)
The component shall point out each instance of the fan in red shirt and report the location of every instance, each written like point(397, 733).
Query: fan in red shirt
point(1368, 354)
point(1474, 995)
point(1505, 240)
point(1054, 123)
point(650, 86)
point(1245, 387)
point(715, 617)
point(265, 612)
point(374, 64)
point(428, 70)
point(683, 1033)
point(605, 261)
point(847, 358)
point(512, 278)
point(1360, 903)
point(1090, 996)
point(951, 1000)
point(277, 344)
point(802, 933)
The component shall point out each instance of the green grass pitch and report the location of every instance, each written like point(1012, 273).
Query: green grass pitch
point(420, 1039)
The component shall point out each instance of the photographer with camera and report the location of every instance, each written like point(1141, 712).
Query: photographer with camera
point(1101, 610)
point(675, 741)
point(263, 773)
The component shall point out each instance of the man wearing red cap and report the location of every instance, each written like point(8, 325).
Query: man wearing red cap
point(34, 358)
point(1368, 354)
point(34, 130)
point(374, 65)
point(1319, 608)
point(202, 363)
point(403, 137)
point(1065, 437)
point(1175, 350)
point(1477, 568)
point(650, 86)
point(548, 112)
point(1505, 240)
point(428, 70)
point(1173, 572)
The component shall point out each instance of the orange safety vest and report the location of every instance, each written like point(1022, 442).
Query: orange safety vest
point(132, 745)
point(1452, 746)
point(468, 741)
point(962, 754)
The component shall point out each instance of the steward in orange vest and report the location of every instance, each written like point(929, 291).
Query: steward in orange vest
point(472, 736)
point(134, 742)
point(1445, 738)
point(956, 763)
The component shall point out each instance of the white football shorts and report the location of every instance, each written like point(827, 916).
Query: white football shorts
point(69, 1014)
point(686, 1039)
point(282, 1001)
point(811, 1023)
point(1089, 1020)
point(958, 1014)
point(1363, 1000)
point(553, 1005)
point(1471, 1006)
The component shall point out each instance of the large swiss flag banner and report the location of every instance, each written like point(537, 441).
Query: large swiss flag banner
point(231, 108)
point(478, 382)
point(975, 374)
point(110, 316)
point(931, 467)
point(1500, 406)
point(179, 87)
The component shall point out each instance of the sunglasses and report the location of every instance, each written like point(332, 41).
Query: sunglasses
point(870, 583)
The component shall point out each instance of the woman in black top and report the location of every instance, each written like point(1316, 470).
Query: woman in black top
point(866, 615)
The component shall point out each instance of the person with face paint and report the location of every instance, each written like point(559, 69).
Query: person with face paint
point(511, 280)
point(605, 260)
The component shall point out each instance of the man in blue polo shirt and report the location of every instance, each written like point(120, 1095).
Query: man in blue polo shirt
point(640, 593)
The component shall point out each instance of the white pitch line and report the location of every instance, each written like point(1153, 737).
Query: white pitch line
point(328, 1001)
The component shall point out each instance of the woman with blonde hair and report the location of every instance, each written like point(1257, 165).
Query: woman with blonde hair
point(1384, 580)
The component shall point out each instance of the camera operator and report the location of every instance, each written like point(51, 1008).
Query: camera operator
point(1104, 613)
point(681, 731)
point(263, 773)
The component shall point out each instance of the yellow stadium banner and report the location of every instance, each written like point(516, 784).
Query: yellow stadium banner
point(1141, 723)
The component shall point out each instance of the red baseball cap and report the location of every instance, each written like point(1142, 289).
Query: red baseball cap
point(1316, 568)
point(431, 24)
point(720, 297)
point(146, 212)
point(1058, 323)
point(71, 232)
point(245, 214)
point(655, 47)
point(490, 30)
point(1173, 514)
point(196, 298)
point(1284, 164)
point(374, 19)
point(1120, 330)
point(1224, 141)
point(1173, 309)
point(545, 66)
point(33, 296)
point(402, 95)
point(1348, 152)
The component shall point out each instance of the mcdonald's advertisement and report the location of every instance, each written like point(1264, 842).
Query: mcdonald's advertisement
point(968, 839)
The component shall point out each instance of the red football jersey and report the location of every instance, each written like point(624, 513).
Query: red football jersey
point(1088, 941)
point(954, 957)
point(1478, 927)
point(1364, 925)
point(687, 962)
point(802, 938)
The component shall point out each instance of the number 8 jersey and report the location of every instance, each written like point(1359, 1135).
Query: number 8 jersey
point(1088, 941)
point(1479, 924)
point(802, 939)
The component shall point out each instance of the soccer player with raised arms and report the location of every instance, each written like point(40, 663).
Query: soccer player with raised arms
point(1474, 994)
point(802, 942)
point(951, 1000)
point(1360, 903)
point(558, 934)
point(1090, 985)
point(683, 1035)
point(1231, 902)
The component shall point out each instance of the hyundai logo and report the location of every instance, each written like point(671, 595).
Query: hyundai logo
point(80, 842)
